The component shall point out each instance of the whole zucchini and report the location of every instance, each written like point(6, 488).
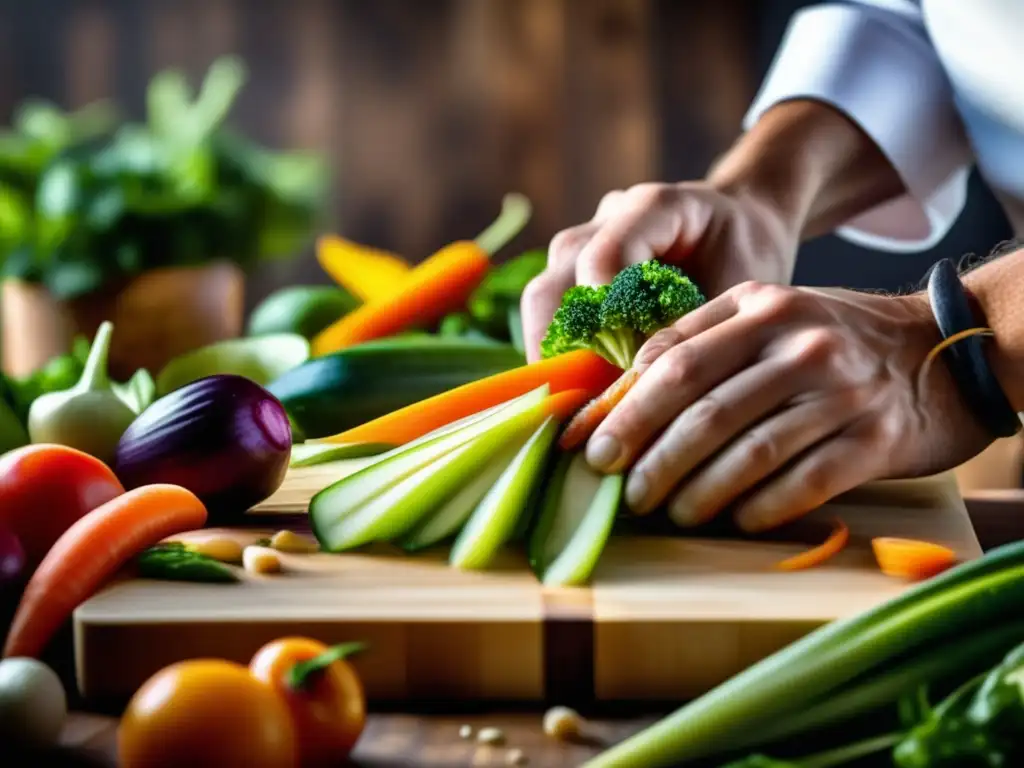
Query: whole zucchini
point(332, 393)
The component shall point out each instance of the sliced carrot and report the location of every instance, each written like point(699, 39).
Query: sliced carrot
point(562, 405)
point(440, 285)
point(582, 369)
point(90, 552)
point(586, 422)
point(367, 273)
point(911, 559)
point(831, 547)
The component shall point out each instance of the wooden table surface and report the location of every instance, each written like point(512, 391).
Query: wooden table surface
point(433, 740)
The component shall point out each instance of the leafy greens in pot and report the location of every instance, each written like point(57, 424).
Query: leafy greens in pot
point(86, 199)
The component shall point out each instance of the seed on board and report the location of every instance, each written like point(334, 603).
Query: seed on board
point(490, 736)
point(466, 732)
point(562, 723)
point(219, 548)
point(289, 541)
point(516, 757)
point(260, 560)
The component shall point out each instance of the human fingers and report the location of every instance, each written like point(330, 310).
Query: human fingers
point(705, 317)
point(851, 458)
point(699, 431)
point(540, 299)
point(675, 380)
point(759, 453)
point(647, 223)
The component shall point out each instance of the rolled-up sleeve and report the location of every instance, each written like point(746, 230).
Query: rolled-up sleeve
point(874, 62)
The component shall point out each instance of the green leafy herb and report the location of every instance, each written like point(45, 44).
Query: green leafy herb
point(172, 561)
point(86, 200)
point(300, 675)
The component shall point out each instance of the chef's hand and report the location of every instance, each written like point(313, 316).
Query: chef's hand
point(717, 237)
point(777, 399)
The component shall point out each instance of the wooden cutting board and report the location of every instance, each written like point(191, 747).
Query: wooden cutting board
point(667, 617)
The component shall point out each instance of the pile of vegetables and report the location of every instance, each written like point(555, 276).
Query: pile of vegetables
point(946, 632)
point(86, 199)
point(479, 465)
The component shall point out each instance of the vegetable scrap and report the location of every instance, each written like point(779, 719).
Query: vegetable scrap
point(832, 546)
point(911, 559)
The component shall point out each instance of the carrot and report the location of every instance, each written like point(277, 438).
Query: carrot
point(90, 552)
point(832, 546)
point(562, 405)
point(587, 420)
point(579, 370)
point(367, 273)
point(431, 290)
point(911, 559)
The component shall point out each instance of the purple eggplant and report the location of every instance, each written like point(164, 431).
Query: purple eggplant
point(224, 437)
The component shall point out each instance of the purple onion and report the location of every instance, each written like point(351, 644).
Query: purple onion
point(224, 437)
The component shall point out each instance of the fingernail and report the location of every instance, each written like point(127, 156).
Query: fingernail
point(752, 521)
point(637, 489)
point(682, 512)
point(603, 452)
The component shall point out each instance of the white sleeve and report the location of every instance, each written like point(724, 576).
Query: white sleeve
point(874, 62)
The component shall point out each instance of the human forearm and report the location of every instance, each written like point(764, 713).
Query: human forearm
point(810, 165)
point(999, 289)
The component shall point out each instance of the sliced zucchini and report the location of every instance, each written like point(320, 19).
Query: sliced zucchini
point(451, 515)
point(494, 520)
point(309, 454)
point(351, 496)
point(575, 522)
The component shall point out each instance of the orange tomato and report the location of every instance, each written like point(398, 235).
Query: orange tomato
point(328, 710)
point(44, 489)
point(206, 712)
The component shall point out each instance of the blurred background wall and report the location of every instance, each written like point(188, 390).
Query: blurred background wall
point(430, 110)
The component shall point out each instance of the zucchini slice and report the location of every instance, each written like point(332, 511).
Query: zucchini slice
point(310, 454)
point(451, 516)
point(494, 520)
point(353, 497)
point(575, 522)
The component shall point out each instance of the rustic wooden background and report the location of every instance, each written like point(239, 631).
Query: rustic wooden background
point(430, 110)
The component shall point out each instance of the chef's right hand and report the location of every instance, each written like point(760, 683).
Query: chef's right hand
point(718, 237)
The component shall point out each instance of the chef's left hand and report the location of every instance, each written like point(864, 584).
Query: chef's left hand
point(777, 399)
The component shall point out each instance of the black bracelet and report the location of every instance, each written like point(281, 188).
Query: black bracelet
point(965, 358)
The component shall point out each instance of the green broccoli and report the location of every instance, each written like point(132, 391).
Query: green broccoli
point(615, 320)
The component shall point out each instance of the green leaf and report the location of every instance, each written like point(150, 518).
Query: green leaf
point(302, 673)
point(177, 563)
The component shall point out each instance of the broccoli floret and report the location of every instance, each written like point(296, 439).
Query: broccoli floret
point(576, 321)
point(615, 320)
point(649, 296)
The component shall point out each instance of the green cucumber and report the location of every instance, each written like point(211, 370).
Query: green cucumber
point(336, 392)
point(575, 522)
point(339, 513)
point(310, 454)
point(968, 599)
point(494, 520)
point(259, 358)
point(302, 309)
point(451, 516)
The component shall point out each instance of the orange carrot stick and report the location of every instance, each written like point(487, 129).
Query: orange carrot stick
point(562, 405)
point(831, 547)
point(586, 421)
point(440, 285)
point(911, 559)
point(90, 552)
point(581, 369)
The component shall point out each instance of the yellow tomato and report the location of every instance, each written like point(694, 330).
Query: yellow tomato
point(328, 710)
point(206, 712)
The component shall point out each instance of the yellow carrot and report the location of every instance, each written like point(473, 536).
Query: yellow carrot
point(367, 273)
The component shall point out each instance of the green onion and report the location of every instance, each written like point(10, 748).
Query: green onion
point(956, 603)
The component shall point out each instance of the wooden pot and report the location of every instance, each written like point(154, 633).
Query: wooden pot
point(157, 315)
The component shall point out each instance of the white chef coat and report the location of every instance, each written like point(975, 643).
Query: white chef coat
point(937, 84)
